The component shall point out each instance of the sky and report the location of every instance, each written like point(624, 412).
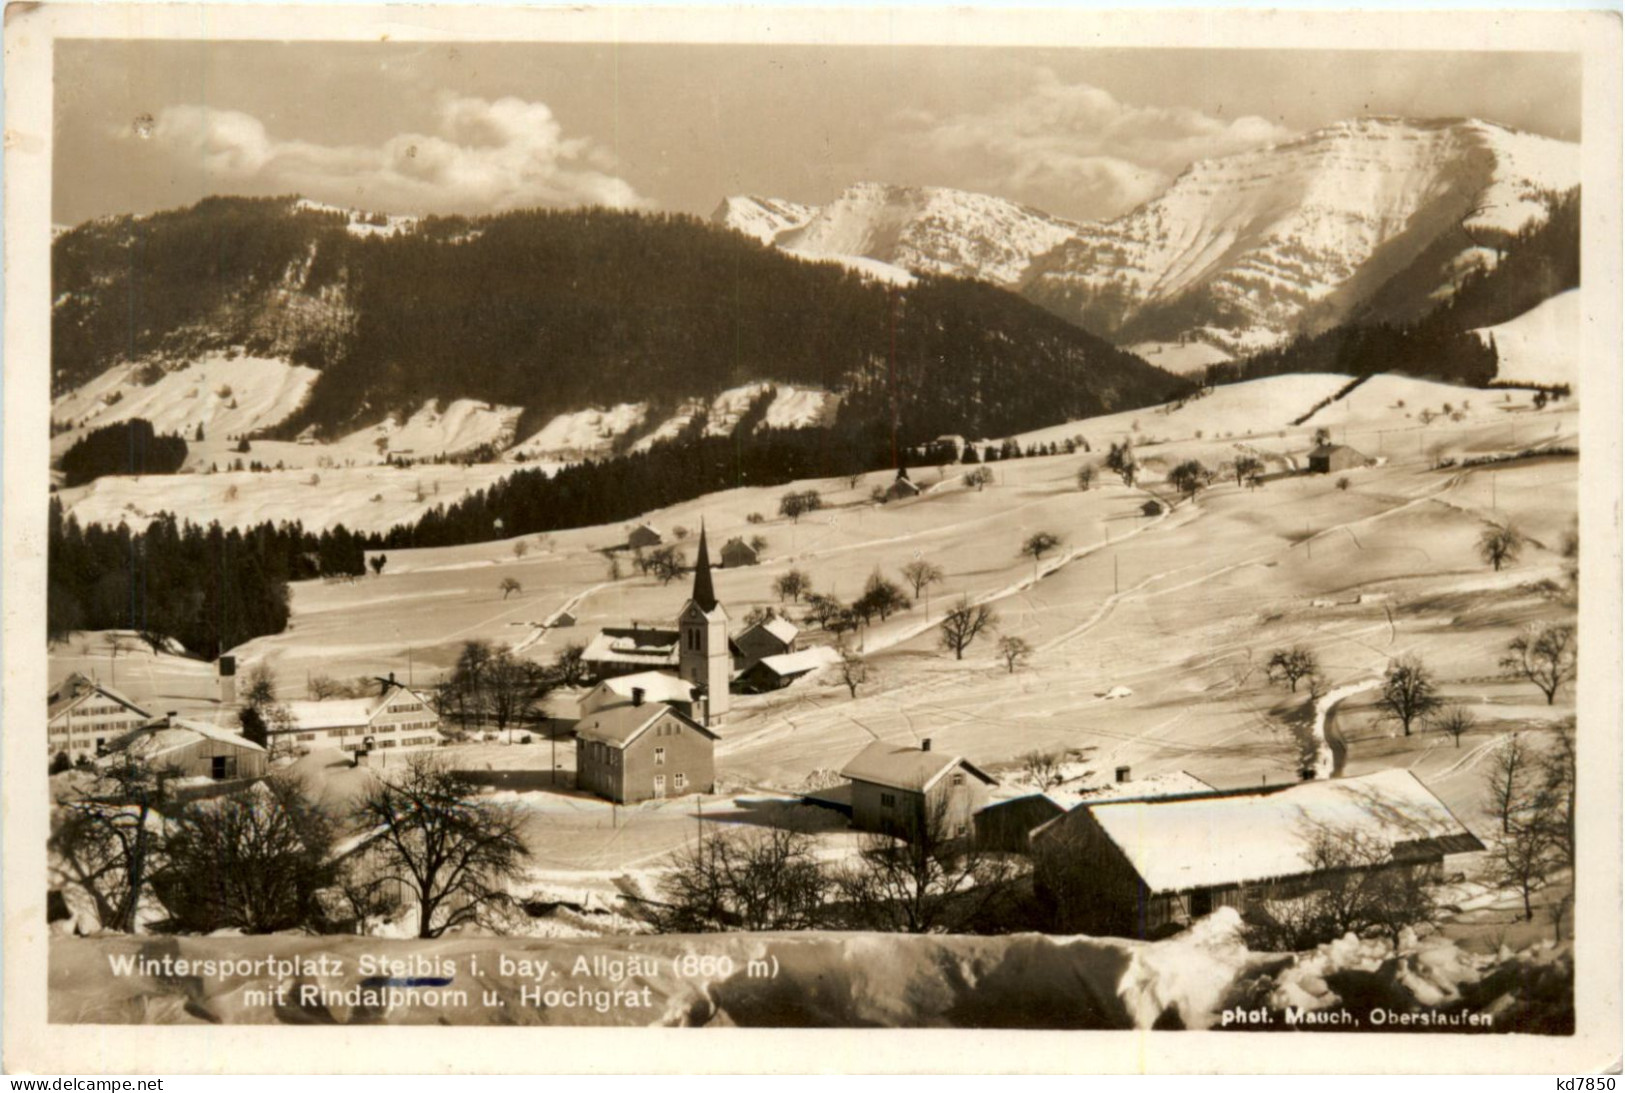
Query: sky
point(475, 128)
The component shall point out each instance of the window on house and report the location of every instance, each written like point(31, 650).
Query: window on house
point(679, 780)
point(660, 756)
point(888, 800)
point(222, 767)
point(959, 779)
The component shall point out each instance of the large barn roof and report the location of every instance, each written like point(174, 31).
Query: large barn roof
point(171, 734)
point(656, 687)
point(618, 726)
point(902, 766)
point(1222, 839)
point(77, 686)
point(331, 713)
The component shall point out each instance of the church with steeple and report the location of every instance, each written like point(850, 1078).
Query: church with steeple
point(704, 658)
point(690, 668)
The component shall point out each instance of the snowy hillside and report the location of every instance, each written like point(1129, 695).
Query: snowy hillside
point(1239, 250)
point(222, 393)
point(1238, 253)
point(1543, 344)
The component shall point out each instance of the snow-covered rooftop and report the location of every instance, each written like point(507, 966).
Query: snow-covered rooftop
point(902, 766)
point(1204, 842)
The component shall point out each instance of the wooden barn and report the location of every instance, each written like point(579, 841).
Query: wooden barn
point(1145, 868)
point(898, 790)
point(772, 673)
point(642, 752)
point(902, 487)
point(643, 537)
point(769, 638)
point(1151, 508)
point(737, 552)
point(193, 749)
point(622, 650)
point(1330, 458)
point(1008, 825)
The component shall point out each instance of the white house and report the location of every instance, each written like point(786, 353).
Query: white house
point(399, 717)
point(82, 717)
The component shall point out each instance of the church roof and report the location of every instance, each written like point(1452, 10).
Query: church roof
point(704, 593)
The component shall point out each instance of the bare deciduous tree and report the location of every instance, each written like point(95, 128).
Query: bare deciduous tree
point(510, 585)
point(921, 575)
point(111, 839)
point(1457, 721)
point(1292, 665)
point(1408, 693)
point(961, 625)
point(437, 839)
point(1042, 768)
point(762, 879)
point(1014, 652)
point(1499, 545)
point(792, 585)
point(854, 670)
point(667, 563)
point(1545, 655)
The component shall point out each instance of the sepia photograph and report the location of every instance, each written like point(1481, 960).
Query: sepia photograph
point(613, 523)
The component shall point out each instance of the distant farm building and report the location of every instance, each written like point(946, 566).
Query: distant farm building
point(1152, 508)
point(899, 790)
point(82, 717)
point(192, 749)
point(1329, 458)
point(642, 752)
point(772, 673)
point(640, 688)
point(1124, 787)
point(561, 620)
point(398, 717)
point(1142, 868)
point(643, 537)
point(902, 487)
point(737, 552)
point(769, 638)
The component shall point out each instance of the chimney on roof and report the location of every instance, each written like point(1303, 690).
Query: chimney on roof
point(1122, 774)
point(392, 677)
point(925, 745)
point(169, 718)
point(637, 696)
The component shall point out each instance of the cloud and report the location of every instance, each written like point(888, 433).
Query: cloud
point(483, 156)
point(1071, 149)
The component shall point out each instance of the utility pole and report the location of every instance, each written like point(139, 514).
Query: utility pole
point(1114, 575)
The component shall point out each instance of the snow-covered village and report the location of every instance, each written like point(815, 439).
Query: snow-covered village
point(919, 592)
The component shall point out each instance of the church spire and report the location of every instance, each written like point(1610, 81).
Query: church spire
point(704, 594)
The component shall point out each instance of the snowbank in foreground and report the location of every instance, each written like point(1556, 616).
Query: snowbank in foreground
point(792, 980)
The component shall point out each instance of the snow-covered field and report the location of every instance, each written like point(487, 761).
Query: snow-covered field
point(1543, 344)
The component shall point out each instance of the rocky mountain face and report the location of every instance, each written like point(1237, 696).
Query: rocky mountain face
point(1239, 252)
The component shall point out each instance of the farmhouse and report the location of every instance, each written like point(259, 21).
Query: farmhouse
point(82, 716)
point(772, 673)
point(638, 688)
point(620, 650)
point(737, 552)
point(902, 487)
point(769, 638)
point(644, 751)
point(1329, 458)
point(398, 717)
point(192, 749)
point(643, 537)
point(1151, 508)
point(1010, 823)
point(1141, 868)
point(899, 790)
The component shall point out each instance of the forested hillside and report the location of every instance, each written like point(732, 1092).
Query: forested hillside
point(555, 311)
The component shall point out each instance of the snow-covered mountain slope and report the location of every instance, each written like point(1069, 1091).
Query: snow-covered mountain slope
point(1239, 252)
point(223, 393)
point(928, 230)
point(1244, 250)
point(1543, 344)
point(762, 217)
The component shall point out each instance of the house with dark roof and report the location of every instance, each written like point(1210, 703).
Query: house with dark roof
point(1145, 867)
point(1329, 458)
point(643, 537)
point(772, 673)
point(622, 650)
point(736, 553)
point(769, 638)
point(902, 487)
point(643, 751)
point(83, 716)
point(900, 790)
